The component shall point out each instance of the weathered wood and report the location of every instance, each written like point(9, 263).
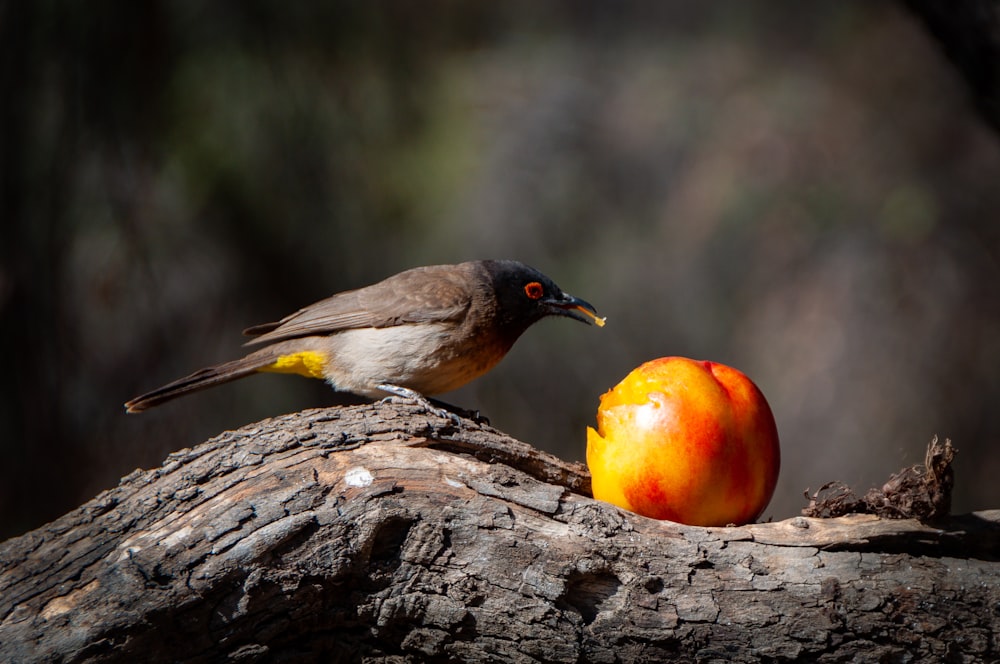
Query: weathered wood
point(350, 534)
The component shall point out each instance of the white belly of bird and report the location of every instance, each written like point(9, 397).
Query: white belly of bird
point(420, 357)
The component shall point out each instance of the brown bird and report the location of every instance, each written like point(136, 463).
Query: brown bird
point(421, 332)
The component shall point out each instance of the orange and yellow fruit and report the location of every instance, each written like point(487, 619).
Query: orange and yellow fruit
point(685, 440)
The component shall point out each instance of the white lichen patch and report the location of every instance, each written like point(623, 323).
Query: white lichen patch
point(359, 477)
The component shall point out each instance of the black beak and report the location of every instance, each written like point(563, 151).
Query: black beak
point(574, 307)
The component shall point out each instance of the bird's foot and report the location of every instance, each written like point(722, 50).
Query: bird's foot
point(417, 397)
point(474, 415)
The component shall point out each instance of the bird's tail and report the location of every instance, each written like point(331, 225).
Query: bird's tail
point(204, 378)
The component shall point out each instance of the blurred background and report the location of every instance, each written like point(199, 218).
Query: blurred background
point(804, 191)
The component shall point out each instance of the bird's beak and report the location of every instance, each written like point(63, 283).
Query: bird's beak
point(574, 307)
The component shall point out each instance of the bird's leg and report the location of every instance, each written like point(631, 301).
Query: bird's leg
point(413, 395)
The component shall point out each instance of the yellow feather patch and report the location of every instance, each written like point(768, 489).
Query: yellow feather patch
point(308, 363)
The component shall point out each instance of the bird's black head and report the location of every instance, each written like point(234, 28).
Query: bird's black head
point(524, 295)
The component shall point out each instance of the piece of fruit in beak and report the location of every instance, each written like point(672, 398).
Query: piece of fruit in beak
point(571, 305)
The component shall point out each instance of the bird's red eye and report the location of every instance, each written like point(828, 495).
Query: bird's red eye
point(534, 290)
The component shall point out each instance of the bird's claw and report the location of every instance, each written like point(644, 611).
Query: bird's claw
point(398, 391)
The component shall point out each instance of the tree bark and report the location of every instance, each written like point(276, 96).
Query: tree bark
point(384, 534)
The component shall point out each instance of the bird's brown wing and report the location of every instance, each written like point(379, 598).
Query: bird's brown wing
point(425, 294)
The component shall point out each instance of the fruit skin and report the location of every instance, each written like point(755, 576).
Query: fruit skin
point(685, 440)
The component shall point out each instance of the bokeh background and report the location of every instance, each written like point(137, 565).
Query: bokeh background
point(805, 191)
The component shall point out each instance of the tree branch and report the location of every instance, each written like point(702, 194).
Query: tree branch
point(360, 532)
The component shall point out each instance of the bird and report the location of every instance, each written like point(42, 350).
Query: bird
point(421, 332)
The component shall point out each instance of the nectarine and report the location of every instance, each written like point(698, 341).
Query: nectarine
point(689, 441)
